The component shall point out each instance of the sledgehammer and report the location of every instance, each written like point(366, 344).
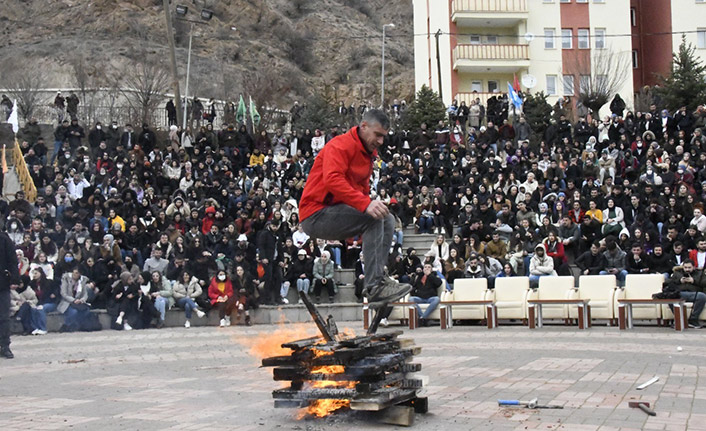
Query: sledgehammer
point(531, 404)
point(642, 405)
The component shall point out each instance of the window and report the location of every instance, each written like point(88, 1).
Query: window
point(566, 36)
point(601, 81)
point(493, 40)
point(551, 85)
point(634, 59)
point(549, 38)
point(633, 17)
point(565, 1)
point(492, 86)
point(568, 85)
point(476, 86)
point(475, 39)
point(583, 39)
point(599, 38)
point(584, 83)
point(581, 1)
point(598, 1)
point(701, 38)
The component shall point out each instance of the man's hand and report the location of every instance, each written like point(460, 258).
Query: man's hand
point(377, 209)
point(14, 286)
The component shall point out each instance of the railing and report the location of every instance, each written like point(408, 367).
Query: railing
point(23, 175)
point(491, 6)
point(491, 52)
point(469, 97)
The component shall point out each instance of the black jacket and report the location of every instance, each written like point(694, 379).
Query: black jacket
point(9, 274)
point(593, 263)
point(428, 289)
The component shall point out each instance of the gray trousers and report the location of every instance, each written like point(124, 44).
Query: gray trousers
point(4, 317)
point(343, 221)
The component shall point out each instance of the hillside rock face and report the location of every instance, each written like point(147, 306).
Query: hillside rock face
point(302, 46)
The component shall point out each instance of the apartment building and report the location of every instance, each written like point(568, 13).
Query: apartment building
point(553, 46)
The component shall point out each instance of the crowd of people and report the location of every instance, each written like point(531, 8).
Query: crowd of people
point(139, 221)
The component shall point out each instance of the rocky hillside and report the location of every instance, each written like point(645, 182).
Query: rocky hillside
point(293, 47)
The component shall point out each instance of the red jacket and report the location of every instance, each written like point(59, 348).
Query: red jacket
point(341, 174)
point(694, 256)
point(214, 292)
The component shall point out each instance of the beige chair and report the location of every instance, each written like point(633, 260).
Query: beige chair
point(641, 286)
point(667, 313)
point(600, 289)
point(399, 312)
point(469, 289)
point(511, 297)
point(559, 287)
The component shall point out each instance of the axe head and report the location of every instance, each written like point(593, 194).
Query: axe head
point(532, 403)
point(636, 404)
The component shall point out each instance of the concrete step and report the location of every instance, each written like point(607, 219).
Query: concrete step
point(418, 241)
point(344, 276)
point(293, 313)
point(11, 184)
point(346, 294)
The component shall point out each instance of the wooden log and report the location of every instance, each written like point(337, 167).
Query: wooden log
point(382, 399)
point(315, 394)
point(397, 415)
point(291, 404)
point(420, 404)
point(320, 323)
point(300, 344)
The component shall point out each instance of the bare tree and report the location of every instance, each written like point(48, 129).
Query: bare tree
point(23, 83)
point(601, 75)
point(266, 89)
point(89, 78)
point(144, 84)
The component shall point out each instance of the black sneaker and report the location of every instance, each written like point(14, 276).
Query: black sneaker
point(694, 325)
point(6, 353)
point(388, 290)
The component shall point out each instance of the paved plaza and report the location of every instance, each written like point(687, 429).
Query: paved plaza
point(206, 378)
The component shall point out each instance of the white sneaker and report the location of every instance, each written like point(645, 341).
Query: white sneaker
point(443, 230)
point(285, 301)
point(187, 324)
point(384, 323)
point(223, 323)
point(127, 327)
point(227, 320)
point(39, 332)
point(35, 332)
point(200, 314)
point(119, 320)
point(300, 302)
point(436, 230)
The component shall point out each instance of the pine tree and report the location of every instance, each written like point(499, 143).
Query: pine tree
point(427, 108)
point(537, 113)
point(686, 85)
point(319, 113)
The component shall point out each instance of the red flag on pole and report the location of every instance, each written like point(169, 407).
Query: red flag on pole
point(516, 83)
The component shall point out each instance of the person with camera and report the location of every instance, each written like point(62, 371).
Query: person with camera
point(690, 283)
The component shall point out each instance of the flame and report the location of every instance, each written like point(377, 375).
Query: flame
point(268, 344)
point(322, 408)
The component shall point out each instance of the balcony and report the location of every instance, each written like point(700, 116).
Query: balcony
point(489, 13)
point(491, 58)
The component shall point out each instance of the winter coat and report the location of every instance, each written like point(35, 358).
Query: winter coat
point(542, 265)
point(19, 298)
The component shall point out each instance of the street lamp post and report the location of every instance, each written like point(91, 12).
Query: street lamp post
point(172, 54)
point(188, 70)
point(382, 85)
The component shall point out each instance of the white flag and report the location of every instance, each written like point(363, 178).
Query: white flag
point(13, 118)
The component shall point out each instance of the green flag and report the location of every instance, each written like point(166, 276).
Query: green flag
point(254, 115)
point(240, 113)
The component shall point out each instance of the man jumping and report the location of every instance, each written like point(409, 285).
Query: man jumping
point(336, 203)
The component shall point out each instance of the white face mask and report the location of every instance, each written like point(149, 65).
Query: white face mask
point(222, 277)
point(98, 127)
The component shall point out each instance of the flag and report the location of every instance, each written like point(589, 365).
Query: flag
point(516, 83)
point(514, 97)
point(254, 115)
point(241, 112)
point(13, 118)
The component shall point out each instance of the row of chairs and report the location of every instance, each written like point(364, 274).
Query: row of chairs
point(511, 296)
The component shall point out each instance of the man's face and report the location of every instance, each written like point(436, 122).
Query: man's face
point(539, 252)
point(427, 269)
point(688, 268)
point(372, 135)
point(636, 251)
point(594, 249)
point(702, 245)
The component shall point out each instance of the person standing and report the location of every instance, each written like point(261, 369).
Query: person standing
point(336, 202)
point(9, 280)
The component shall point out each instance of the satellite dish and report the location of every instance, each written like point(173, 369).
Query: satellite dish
point(529, 37)
point(529, 81)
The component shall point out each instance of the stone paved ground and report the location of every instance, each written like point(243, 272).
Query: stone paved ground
point(205, 378)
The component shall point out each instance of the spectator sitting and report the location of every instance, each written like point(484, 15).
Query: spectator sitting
point(185, 291)
point(323, 273)
point(541, 265)
point(614, 261)
point(426, 291)
point(220, 292)
point(690, 283)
